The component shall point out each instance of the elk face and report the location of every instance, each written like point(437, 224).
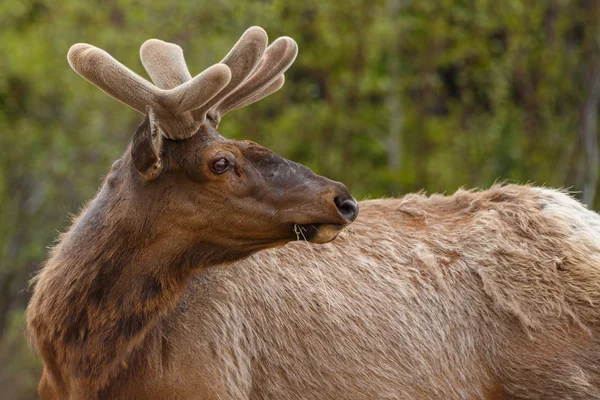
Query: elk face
point(237, 194)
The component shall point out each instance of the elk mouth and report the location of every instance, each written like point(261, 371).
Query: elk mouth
point(317, 233)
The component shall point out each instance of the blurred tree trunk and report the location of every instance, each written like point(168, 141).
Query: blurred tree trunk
point(590, 137)
point(352, 104)
point(13, 271)
point(6, 279)
point(589, 114)
point(394, 106)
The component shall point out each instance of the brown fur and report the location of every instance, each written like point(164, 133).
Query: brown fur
point(479, 295)
point(128, 258)
point(487, 294)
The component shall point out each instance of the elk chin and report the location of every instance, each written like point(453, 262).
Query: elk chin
point(318, 233)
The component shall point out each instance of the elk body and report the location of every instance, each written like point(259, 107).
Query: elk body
point(173, 282)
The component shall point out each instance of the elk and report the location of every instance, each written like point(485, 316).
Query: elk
point(184, 277)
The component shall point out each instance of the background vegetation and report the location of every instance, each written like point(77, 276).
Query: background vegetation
point(387, 96)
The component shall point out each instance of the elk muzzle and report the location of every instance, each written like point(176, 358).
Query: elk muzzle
point(343, 206)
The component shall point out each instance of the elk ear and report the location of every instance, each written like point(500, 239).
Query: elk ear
point(147, 147)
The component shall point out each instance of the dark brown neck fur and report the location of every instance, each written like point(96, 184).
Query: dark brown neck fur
point(105, 286)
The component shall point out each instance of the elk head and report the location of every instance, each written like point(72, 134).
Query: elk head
point(185, 180)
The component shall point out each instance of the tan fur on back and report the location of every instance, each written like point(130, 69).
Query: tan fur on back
point(479, 295)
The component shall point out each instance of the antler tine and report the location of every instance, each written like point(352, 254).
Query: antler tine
point(102, 70)
point(196, 92)
point(172, 107)
point(266, 78)
point(165, 63)
point(243, 102)
point(242, 59)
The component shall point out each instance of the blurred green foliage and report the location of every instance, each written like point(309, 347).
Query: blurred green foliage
point(387, 96)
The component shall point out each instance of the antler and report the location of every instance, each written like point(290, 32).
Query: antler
point(256, 70)
point(249, 72)
point(173, 107)
point(266, 79)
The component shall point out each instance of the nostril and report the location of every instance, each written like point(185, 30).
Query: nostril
point(348, 207)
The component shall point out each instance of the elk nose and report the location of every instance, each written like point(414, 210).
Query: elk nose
point(347, 206)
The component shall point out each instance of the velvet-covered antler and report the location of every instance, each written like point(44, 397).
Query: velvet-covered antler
point(256, 70)
point(173, 107)
point(180, 103)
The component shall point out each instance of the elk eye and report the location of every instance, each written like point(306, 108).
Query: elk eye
point(220, 165)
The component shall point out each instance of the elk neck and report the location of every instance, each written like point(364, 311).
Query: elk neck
point(109, 280)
